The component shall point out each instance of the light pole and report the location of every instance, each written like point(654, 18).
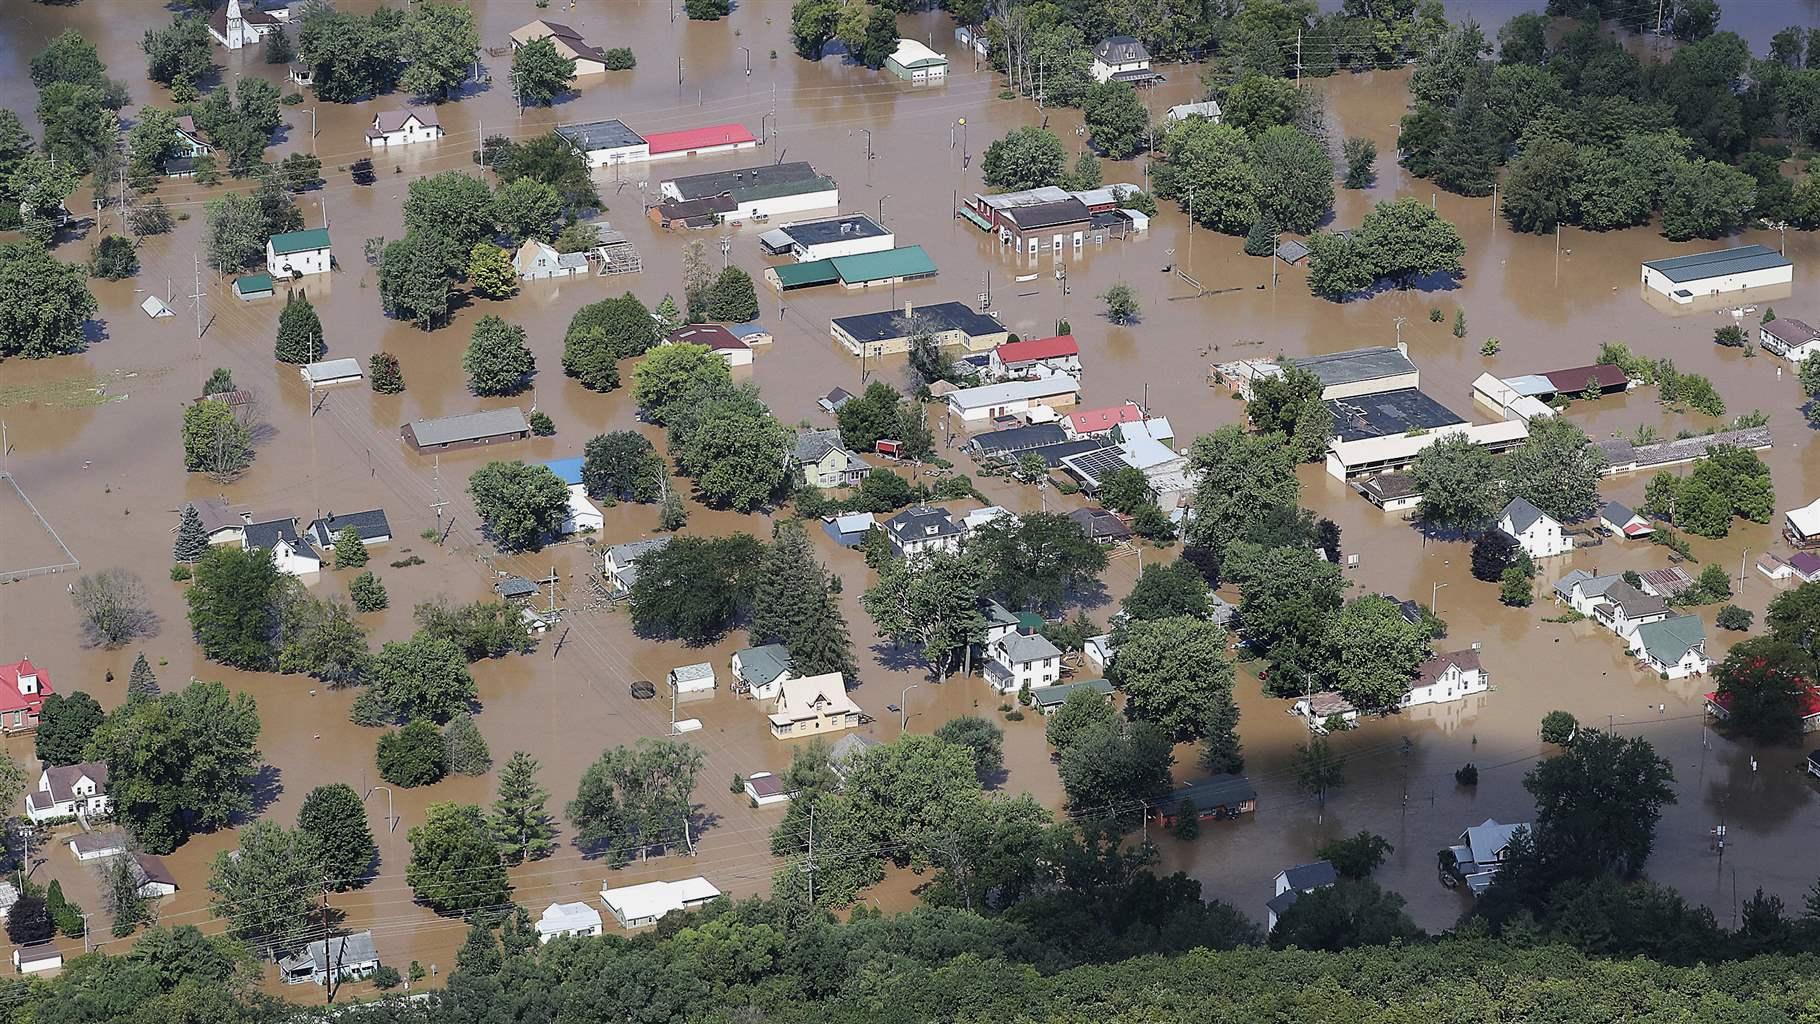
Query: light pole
point(903, 705)
point(391, 821)
point(748, 52)
point(868, 134)
point(1434, 590)
point(312, 131)
point(762, 120)
point(881, 208)
point(964, 157)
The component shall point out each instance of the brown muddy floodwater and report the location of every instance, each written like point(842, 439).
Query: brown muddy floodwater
point(108, 474)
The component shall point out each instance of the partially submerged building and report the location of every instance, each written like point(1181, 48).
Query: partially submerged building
point(889, 332)
point(1682, 279)
point(468, 430)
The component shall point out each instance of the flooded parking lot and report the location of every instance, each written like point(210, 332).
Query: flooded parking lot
point(108, 474)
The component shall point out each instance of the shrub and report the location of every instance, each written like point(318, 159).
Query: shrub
point(179, 573)
point(1558, 727)
point(413, 755)
point(620, 58)
point(1735, 618)
point(367, 593)
point(1467, 775)
point(541, 423)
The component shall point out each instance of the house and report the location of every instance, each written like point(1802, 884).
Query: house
point(924, 528)
point(1325, 711)
point(1049, 698)
point(515, 588)
point(1773, 567)
point(236, 25)
point(1292, 883)
point(293, 555)
point(696, 678)
point(752, 334)
point(1802, 525)
point(1026, 228)
point(1099, 422)
point(1447, 677)
point(815, 704)
point(1037, 357)
point(1789, 338)
point(563, 920)
point(605, 142)
point(1682, 279)
point(759, 192)
point(1017, 661)
point(1535, 531)
point(1222, 796)
point(845, 749)
point(716, 339)
point(620, 561)
point(155, 878)
point(589, 60)
point(635, 906)
point(849, 529)
point(1805, 566)
point(1623, 457)
point(23, 687)
point(1011, 442)
point(92, 846)
point(1583, 591)
point(39, 958)
point(832, 401)
point(69, 791)
point(1362, 371)
point(758, 672)
point(1123, 59)
point(983, 517)
point(822, 461)
point(404, 127)
point(814, 240)
point(538, 261)
point(765, 789)
point(583, 513)
point(916, 63)
point(190, 146)
point(248, 287)
point(1207, 109)
point(1000, 622)
point(1619, 521)
point(294, 254)
point(370, 526)
point(219, 521)
point(330, 371)
point(1391, 492)
point(339, 957)
point(1719, 705)
point(860, 270)
point(991, 401)
point(1675, 647)
point(888, 333)
point(1666, 583)
point(1101, 525)
point(1480, 853)
point(717, 138)
point(468, 430)
point(1623, 608)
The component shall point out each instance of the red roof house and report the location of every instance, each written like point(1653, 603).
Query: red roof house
point(700, 140)
point(1719, 705)
point(23, 688)
point(1088, 422)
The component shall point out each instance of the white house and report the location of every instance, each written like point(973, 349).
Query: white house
point(561, 920)
point(809, 241)
point(536, 261)
point(1619, 521)
point(635, 906)
point(295, 254)
point(583, 513)
point(1018, 660)
point(1324, 711)
point(1480, 852)
point(1100, 650)
point(1535, 531)
point(155, 877)
point(1674, 647)
point(1036, 357)
point(696, 678)
point(69, 791)
point(1447, 677)
point(1685, 278)
point(1624, 608)
point(404, 127)
point(1789, 338)
point(714, 337)
point(1000, 623)
point(343, 956)
point(814, 704)
point(291, 553)
point(1292, 883)
point(330, 371)
point(917, 530)
point(620, 561)
point(1120, 57)
point(759, 672)
point(1208, 109)
point(236, 25)
point(9, 895)
point(976, 405)
point(589, 59)
point(765, 789)
point(1582, 590)
point(371, 526)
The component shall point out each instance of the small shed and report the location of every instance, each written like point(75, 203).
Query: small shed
point(765, 789)
point(1292, 252)
point(34, 959)
point(155, 308)
point(514, 588)
point(696, 678)
point(561, 920)
point(330, 371)
point(248, 287)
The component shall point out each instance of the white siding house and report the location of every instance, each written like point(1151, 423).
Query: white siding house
point(1019, 660)
point(1674, 647)
point(561, 920)
point(1789, 338)
point(404, 127)
point(298, 254)
point(977, 405)
point(1117, 56)
point(1535, 531)
point(71, 790)
point(1447, 677)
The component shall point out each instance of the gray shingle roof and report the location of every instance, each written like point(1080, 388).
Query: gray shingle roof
point(812, 445)
point(1027, 647)
point(370, 525)
point(1359, 364)
point(1634, 602)
point(266, 536)
point(1120, 50)
point(1523, 514)
point(1311, 876)
point(917, 523)
point(470, 426)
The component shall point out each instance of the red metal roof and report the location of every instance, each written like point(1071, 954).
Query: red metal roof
point(698, 138)
point(1574, 380)
point(10, 697)
point(1093, 421)
point(1039, 348)
point(712, 335)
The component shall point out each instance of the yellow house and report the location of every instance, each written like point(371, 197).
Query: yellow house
point(814, 705)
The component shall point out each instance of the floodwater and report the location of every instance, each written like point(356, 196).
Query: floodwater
point(108, 474)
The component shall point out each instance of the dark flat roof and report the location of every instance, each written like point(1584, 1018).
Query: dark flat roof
point(1359, 364)
point(1387, 413)
point(1045, 215)
point(1019, 439)
point(1737, 260)
point(609, 134)
point(1219, 791)
point(819, 232)
point(945, 316)
point(714, 183)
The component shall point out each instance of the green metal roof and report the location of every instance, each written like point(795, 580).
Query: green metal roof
point(300, 241)
point(805, 275)
point(908, 261)
point(775, 189)
point(251, 283)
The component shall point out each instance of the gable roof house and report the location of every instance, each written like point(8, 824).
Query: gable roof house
point(341, 956)
point(583, 514)
point(759, 672)
point(1018, 660)
point(292, 553)
point(1619, 521)
point(1675, 647)
point(589, 60)
point(404, 126)
point(1123, 59)
point(1048, 699)
point(1480, 853)
point(468, 430)
point(1582, 590)
point(620, 561)
point(1535, 531)
point(220, 522)
point(236, 25)
point(1013, 397)
point(294, 254)
point(635, 906)
point(925, 528)
point(762, 191)
point(1447, 677)
point(1100, 422)
point(1291, 883)
point(1801, 526)
point(537, 261)
point(1789, 338)
point(1101, 525)
point(562, 920)
point(69, 791)
point(1036, 357)
point(715, 338)
point(370, 526)
point(815, 704)
point(154, 876)
point(23, 687)
point(822, 461)
point(1623, 608)
point(1222, 796)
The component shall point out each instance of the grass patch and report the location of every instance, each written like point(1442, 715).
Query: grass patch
point(68, 392)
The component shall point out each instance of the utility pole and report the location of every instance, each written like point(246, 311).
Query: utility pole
point(196, 301)
point(1298, 58)
point(328, 943)
point(85, 916)
point(679, 60)
point(809, 861)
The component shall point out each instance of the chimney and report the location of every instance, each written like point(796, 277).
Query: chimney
point(1403, 347)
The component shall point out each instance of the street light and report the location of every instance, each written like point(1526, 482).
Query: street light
point(903, 705)
point(881, 208)
point(391, 821)
point(1432, 591)
point(748, 60)
point(868, 133)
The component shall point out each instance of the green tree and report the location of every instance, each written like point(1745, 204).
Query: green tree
point(602, 333)
point(1240, 474)
point(1407, 240)
point(1210, 174)
point(1175, 673)
point(334, 821)
point(812, 24)
point(299, 331)
point(141, 683)
point(437, 46)
point(350, 550)
point(1168, 590)
point(1764, 683)
point(1705, 199)
point(383, 374)
point(788, 578)
point(1459, 484)
point(28, 921)
point(520, 825)
point(497, 360)
point(1338, 265)
point(521, 505)
point(321, 638)
point(1317, 768)
point(1125, 490)
point(192, 541)
point(268, 888)
point(232, 606)
point(731, 297)
point(1375, 651)
point(45, 304)
point(622, 465)
point(1038, 561)
point(300, 172)
point(526, 208)
point(1597, 805)
point(1121, 303)
point(1341, 916)
point(452, 211)
point(735, 450)
point(1294, 177)
point(985, 741)
point(1559, 728)
point(65, 915)
point(1087, 173)
point(1538, 190)
point(367, 593)
point(464, 748)
point(490, 272)
point(425, 677)
point(1516, 587)
point(633, 800)
point(1116, 119)
point(1110, 774)
point(1360, 154)
point(1027, 157)
point(455, 866)
point(65, 724)
point(121, 898)
point(874, 414)
point(931, 604)
point(114, 258)
point(1734, 618)
point(1356, 856)
point(413, 755)
point(1290, 404)
point(540, 74)
point(1556, 468)
point(676, 377)
point(1081, 713)
point(1255, 102)
point(693, 587)
point(413, 280)
point(1261, 240)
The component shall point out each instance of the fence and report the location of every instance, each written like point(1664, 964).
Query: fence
point(70, 560)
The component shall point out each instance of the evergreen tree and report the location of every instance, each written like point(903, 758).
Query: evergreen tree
point(384, 375)
point(141, 684)
point(819, 641)
point(786, 580)
point(464, 747)
point(1262, 239)
point(367, 593)
point(732, 297)
point(519, 822)
point(221, 380)
point(674, 515)
point(65, 915)
point(668, 317)
point(299, 331)
point(192, 540)
point(1467, 161)
point(350, 550)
